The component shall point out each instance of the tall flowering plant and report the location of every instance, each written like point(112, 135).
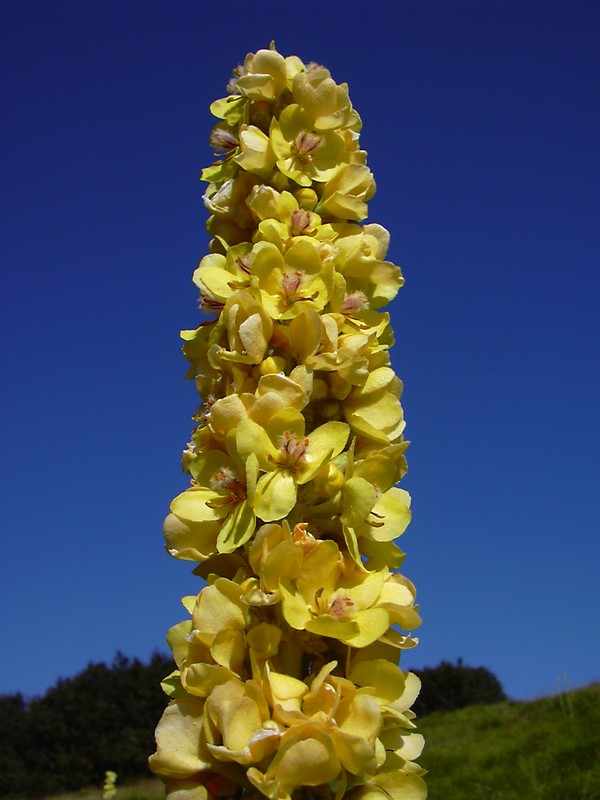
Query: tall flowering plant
point(287, 682)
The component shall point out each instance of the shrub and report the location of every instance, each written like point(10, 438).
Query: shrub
point(449, 686)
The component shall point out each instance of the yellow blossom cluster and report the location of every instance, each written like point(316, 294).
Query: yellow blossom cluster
point(287, 683)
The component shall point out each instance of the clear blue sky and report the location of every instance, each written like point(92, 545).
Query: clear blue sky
point(482, 124)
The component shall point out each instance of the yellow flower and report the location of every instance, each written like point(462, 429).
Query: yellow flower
point(346, 193)
point(191, 541)
point(248, 329)
point(336, 721)
point(210, 381)
point(227, 202)
point(331, 596)
point(220, 276)
point(288, 457)
point(181, 754)
point(373, 409)
point(281, 218)
point(263, 75)
point(395, 690)
point(303, 154)
point(305, 757)
point(326, 103)
point(360, 257)
point(238, 723)
point(223, 491)
point(256, 154)
point(292, 282)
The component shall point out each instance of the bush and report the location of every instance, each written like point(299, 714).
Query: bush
point(449, 686)
point(13, 739)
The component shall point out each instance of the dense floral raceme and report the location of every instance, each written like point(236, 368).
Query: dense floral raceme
point(287, 683)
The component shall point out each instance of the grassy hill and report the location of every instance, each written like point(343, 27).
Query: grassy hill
point(546, 749)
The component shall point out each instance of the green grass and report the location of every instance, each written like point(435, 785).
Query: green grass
point(149, 789)
point(546, 749)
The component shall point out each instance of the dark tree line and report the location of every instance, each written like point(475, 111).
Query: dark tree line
point(104, 718)
point(451, 686)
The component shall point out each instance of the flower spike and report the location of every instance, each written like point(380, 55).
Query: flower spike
point(287, 682)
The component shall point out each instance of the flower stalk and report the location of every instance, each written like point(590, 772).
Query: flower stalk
point(287, 683)
point(109, 790)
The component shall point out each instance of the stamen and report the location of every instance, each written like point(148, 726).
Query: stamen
point(356, 301)
point(299, 222)
point(223, 141)
point(291, 448)
point(238, 72)
point(340, 608)
point(244, 263)
point(238, 284)
point(305, 143)
point(225, 480)
point(210, 304)
point(291, 283)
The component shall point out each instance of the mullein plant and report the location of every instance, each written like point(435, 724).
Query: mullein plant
point(109, 790)
point(287, 683)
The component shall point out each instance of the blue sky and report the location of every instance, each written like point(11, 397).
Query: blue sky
point(482, 123)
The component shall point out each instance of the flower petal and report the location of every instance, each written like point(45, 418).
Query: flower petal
point(275, 495)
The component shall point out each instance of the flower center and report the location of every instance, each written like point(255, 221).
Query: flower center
point(292, 449)
point(226, 481)
point(341, 608)
point(356, 301)
point(290, 284)
point(299, 222)
point(304, 145)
